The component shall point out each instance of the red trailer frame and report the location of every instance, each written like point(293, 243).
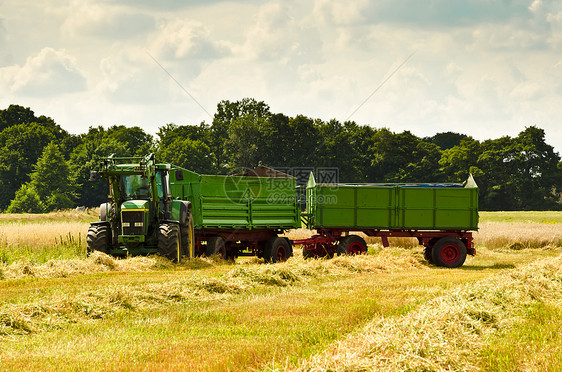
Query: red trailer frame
point(443, 247)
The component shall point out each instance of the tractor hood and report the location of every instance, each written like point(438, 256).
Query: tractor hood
point(135, 204)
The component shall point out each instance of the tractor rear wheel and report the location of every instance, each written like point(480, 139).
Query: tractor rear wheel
point(169, 242)
point(352, 245)
point(449, 252)
point(215, 246)
point(98, 239)
point(277, 249)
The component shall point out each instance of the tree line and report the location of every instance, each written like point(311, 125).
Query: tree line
point(44, 168)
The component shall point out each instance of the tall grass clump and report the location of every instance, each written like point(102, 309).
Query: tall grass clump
point(41, 242)
point(518, 235)
point(447, 332)
point(68, 215)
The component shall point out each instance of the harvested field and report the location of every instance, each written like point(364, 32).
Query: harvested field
point(446, 332)
point(387, 310)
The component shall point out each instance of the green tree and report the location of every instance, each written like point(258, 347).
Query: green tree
point(521, 173)
point(21, 146)
point(423, 165)
point(446, 140)
point(136, 140)
point(227, 112)
point(194, 155)
point(287, 142)
point(26, 200)
point(86, 158)
point(403, 157)
point(49, 188)
point(187, 146)
point(245, 144)
point(16, 114)
point(168, 133)
point(460, 160)
point(344, 147)
point(51, 173)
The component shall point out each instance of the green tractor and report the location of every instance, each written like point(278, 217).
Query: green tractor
point(141, 217)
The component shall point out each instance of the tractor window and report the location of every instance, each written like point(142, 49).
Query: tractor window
point(161, 181)
point(136, 187)
point(159, 184)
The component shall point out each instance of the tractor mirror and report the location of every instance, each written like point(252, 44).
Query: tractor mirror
point(179, 175)
point(94, 176)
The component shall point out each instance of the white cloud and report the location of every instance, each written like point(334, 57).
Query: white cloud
point(482, 67)
point(131, 77)
point(185, 39)
point(273, 36)
point(341, 12)
point(93, 20)
point(50, 72)
point(535, 6)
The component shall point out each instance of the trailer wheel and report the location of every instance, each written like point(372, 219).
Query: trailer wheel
point(169, 242)
point(187, 238)
point(449, 252)
point(98, 239)
point(427, 254)
point(352, 245)
point(277, 249)
point(215, 246)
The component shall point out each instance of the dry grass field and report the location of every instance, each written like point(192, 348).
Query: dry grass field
point(387, 310)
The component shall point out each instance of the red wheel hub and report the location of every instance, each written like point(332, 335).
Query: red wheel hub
point(355, 248)
point(450, 253)
point(281, 255)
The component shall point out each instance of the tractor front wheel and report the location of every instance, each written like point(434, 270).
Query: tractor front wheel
point(169, 242)
point(98, 239)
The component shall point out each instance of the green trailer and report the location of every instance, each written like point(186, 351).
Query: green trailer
point(240, 214)
point(441, 216)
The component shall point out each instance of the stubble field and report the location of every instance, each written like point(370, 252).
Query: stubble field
point(387, 310)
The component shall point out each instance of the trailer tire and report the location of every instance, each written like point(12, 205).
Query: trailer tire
point(169, 242)
point(98, 239)
point(449, 252)
point(277, 249)
point(216, 246)
point(427, 254)
point(188, 237)
point(352, 245)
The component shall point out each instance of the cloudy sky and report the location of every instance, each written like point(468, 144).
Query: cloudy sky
point(486, 68)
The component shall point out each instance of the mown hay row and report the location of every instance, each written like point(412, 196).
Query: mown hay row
point(444, 333)
point(97, 262)
point(385, 261)
point(188, 285)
